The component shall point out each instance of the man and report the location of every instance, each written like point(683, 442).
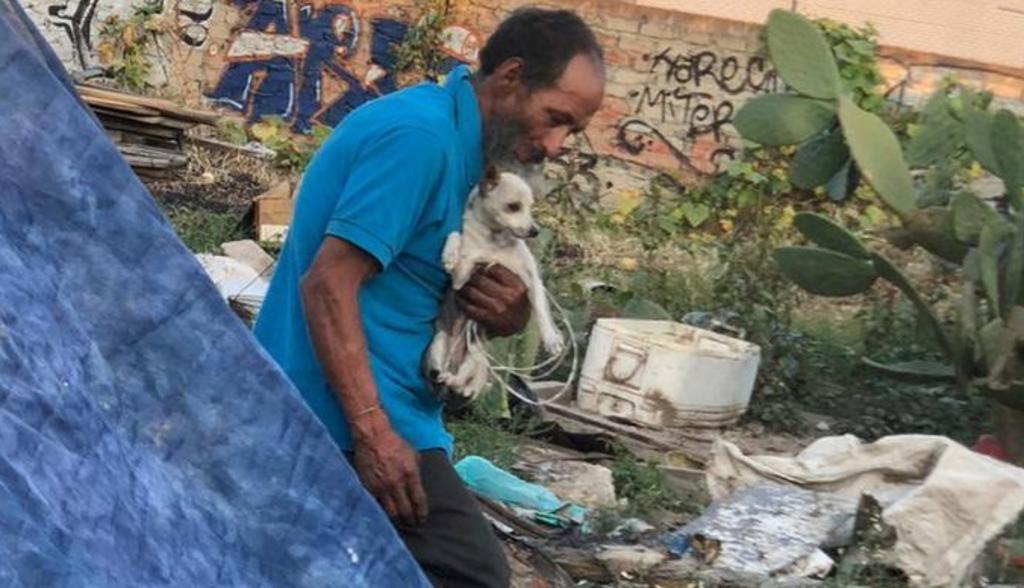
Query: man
point(351, 308)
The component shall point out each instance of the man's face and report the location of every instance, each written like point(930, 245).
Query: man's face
point(529, 127)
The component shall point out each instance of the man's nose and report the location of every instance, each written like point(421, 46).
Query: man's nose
point(554, 142)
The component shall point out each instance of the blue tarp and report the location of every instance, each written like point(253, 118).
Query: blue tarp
point(145, 438)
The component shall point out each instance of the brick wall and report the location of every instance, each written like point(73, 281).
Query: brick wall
point(675, 79)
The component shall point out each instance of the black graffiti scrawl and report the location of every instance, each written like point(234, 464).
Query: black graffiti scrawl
point(75, 18)
point(692, 96)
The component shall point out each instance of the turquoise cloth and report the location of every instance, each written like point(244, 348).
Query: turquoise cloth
point(393, 180)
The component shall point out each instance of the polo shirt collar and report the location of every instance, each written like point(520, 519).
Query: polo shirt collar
point(468, 121)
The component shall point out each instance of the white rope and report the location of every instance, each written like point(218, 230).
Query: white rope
point(551, 363)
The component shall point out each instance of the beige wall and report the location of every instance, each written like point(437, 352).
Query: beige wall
point(676, 79)
point(987, 31)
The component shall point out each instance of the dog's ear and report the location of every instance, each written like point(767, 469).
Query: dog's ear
point(490, 180)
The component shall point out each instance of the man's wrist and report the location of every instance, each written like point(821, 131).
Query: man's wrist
point(369, 424)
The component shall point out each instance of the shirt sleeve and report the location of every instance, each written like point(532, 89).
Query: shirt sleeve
point(389, 187)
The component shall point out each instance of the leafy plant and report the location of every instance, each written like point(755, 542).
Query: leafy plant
point(420, 51)
point(126, 44)
point(293, 151)
point(987, 349)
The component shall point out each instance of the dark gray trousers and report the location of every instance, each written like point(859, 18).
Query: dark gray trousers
point(456, 546)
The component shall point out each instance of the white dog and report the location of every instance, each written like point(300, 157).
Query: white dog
point(497, 221)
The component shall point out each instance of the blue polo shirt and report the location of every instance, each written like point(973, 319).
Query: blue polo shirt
point(392, 179)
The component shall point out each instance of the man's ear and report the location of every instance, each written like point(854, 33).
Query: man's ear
point(510, 73)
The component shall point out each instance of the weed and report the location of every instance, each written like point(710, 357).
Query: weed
point(203, 231)
point(643, 485)
point(126, 44)
point(475, 436)
point(420, 52)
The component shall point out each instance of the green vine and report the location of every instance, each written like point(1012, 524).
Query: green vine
point(856, 51)
point(126, 44)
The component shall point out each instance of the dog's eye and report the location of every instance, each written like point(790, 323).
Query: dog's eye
point(515, 207)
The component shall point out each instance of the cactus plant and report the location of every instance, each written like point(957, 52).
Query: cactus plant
point(802, 56)
point(986, 349)
point(819, 160)
point(783, 119)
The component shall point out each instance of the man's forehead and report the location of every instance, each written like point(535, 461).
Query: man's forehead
point(581, 87)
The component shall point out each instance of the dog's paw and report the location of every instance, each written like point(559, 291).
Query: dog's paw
point(553, 343)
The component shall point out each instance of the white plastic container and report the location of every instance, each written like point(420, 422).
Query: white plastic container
point(667, 374)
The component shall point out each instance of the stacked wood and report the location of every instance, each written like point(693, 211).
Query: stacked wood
point(148, 131)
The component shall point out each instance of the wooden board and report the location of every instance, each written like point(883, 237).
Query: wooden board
point(115, 99)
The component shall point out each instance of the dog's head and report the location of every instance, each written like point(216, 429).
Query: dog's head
point(505, 203)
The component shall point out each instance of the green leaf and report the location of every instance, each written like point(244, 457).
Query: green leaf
point(644, 309)
point(889, 272)
point(782, 119)
point(992, 237)
point(932, 228)
point(1006, 142)
point(938, 138)
point(970, 215)
point(802, 55)
point(914, 371)
point(818, 161)
point(695, 213)
point(824, 272)
point(1015, 267)
point(978, 134)
point(878, 155)
point(822, 231)
point(844, 183)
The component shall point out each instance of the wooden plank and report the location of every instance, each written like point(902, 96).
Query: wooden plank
point(91, 92)
point(118, 106)
point(140, 129)
point(157, 120)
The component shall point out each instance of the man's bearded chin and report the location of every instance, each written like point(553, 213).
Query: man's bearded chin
point(503, 138)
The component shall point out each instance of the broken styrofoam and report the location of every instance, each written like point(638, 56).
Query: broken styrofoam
point(944, 501)
point(251, 254)
point(235, 280)
point(585, 484)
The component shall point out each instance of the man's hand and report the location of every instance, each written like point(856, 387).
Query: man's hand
point(496, 299)
point(390, 470)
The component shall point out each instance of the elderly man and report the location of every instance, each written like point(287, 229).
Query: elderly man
point(351, 308)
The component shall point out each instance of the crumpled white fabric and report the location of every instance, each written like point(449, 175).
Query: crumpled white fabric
point(945, 501)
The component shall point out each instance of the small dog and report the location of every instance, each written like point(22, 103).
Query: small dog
point(497, 221)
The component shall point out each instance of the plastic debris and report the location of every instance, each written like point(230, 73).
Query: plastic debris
point(491, 482)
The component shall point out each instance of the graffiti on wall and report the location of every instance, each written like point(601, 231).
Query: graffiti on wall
point(193, 18)
point(75, 19)
point(277, 64)
point(686, 107)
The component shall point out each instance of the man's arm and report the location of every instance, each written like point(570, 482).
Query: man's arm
point(387, 466)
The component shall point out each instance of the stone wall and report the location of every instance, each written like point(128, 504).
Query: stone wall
point(675, 79)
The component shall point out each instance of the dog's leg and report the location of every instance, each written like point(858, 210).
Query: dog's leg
point(452, 252)
point(481, 375)
point(550, 336)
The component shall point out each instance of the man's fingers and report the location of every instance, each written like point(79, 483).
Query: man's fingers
point(488, 284)
point(403, 505)
point(388, 504)
point(502, 275)
point(474, 296)
point(419, 499)
point(474, 312)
